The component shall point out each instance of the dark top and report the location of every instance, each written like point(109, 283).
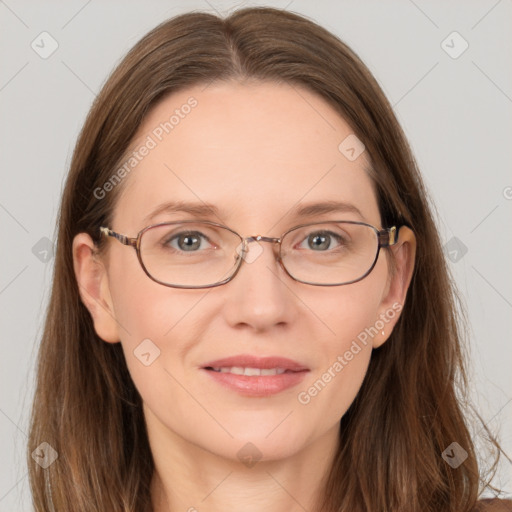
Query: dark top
point(493, 505)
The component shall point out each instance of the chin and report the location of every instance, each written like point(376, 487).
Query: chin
point(269, 443)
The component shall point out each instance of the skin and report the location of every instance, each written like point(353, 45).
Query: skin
point(254, 150)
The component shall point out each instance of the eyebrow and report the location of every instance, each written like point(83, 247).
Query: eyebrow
point(210, 210)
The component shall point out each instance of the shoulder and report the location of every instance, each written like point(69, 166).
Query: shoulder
point(493, 505)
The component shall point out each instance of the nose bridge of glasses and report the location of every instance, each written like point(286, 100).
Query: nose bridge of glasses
point(260, 238)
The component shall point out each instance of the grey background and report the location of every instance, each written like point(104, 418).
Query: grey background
point(456, 113)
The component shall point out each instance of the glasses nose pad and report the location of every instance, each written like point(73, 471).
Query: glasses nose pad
point(249, 254)
point(240, 250)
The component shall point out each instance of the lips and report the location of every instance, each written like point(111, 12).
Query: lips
point(256, 376)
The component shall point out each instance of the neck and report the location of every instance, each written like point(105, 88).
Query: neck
point(188, 478)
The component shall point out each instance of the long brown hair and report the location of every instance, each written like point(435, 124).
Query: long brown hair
point(413, 402)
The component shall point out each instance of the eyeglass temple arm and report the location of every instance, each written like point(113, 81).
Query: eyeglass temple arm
point(388, 237)
point(122, 238)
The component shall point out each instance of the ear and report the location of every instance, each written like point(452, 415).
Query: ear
point(393, 300)
point(93, 285)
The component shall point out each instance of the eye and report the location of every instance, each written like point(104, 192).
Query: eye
point(324, 240)
point(186, 241)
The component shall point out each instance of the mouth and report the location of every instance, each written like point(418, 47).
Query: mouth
point(249, 372)
point(256, 376)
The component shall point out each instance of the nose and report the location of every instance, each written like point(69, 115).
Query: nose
point(259, 295)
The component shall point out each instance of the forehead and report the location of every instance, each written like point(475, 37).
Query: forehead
point(255, 151)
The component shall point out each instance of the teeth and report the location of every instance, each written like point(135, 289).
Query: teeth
point(272, 371)
point(238, 370)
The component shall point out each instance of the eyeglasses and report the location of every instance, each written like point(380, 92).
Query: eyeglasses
point(204, 254)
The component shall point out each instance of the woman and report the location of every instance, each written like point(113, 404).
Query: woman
point(281, 334)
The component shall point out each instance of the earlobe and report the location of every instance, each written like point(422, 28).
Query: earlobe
point(404, 254)
point(94, 288)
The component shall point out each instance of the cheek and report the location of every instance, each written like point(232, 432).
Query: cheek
point(151, 319)
point(352, 311)
point(335, 381)
point(350, 315)
point(160, 330)
point(144, 308)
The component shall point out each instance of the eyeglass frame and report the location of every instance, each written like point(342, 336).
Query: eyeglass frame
point(386, 238)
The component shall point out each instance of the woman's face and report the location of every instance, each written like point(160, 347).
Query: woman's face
point(257, 153)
